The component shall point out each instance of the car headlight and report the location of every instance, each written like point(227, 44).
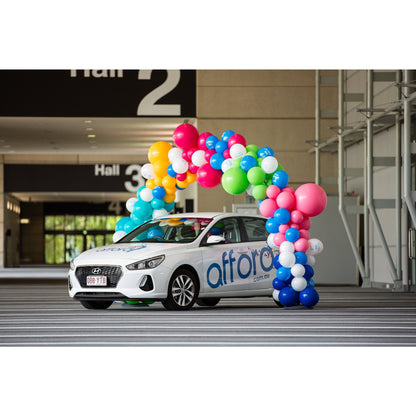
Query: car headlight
point(146, 264)
point(72, 264)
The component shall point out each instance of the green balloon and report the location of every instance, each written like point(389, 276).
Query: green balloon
point(259, 160)
point(259, 192)
point(269, 182)
point(252, 148)
point(234, 181)
point(280, 167)
point(236, 162)
point(256, 176)
point(254, 154)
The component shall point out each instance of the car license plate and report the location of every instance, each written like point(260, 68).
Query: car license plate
point(96, 280)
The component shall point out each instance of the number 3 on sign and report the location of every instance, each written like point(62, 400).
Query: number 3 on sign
point(148, 106)
point(134, 171)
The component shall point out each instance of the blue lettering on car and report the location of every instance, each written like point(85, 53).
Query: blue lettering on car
point(126, 249)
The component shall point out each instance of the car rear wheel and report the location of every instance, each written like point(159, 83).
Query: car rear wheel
point(96, 304)
point(207, 301)
point(182, 291)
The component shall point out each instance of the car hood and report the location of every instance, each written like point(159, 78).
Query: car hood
point(123, 253)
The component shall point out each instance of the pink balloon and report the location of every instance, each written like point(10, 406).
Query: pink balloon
point(279, 238)
point(296, 216)
point(202, 140)
point(208, 177)
point(310, 199)
point(186, 136)
point(190, 152)
point(226, 154)
point(295, 226)
point(272, 191)
point(306, 223)
point(301, 245)
point(283, 228)
point(286, 200)
point(268, 207)
point(192, 168)
point(288, 189)
point(304, 234)
point(209, 153)
point(185, 156)
point(236, 138)
point(181, 176)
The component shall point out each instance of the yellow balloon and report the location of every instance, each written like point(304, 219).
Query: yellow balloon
point(190, 177)
point(160, 167)
point(150, 183)
point(158, 151)
point(168, 182)
point(171, 191)
point(158, 181)
point(169, 197)
point(182, 184)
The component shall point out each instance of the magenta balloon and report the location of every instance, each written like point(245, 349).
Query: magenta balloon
point(236, 138)
point(310, 199)
point(186, 136)
point(202, 140)
point(208, 177)
point(192, 168)
point(209, 153)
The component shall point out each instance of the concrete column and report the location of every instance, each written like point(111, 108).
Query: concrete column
point(2, 208)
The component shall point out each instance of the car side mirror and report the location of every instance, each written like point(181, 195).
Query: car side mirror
point(215, 239)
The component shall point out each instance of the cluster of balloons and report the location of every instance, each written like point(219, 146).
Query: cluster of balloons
point(239, 167)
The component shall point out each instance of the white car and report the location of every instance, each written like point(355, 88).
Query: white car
point(178, 260)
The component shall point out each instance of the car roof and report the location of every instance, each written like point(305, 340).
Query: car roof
point(209, 215)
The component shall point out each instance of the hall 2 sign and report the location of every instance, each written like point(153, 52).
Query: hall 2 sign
point(132, 171)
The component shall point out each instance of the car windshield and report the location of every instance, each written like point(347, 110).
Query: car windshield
point(168, 230)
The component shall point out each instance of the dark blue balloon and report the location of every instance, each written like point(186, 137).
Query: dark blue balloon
point(155, 232)
point(280, 179)
point(265, 151)
point(226, 135)
point(282, 216)
point(216, 161)
point(288, 296)
point(283, 273)
point(215, 231)
point(311, 283)
point(276, 263)
point(159, 192)
point(248, 162)
point(211, 142)
point(279, 284)
point(301, 257)
point(309, 272)
point(292, 235)
point(220, 146)
point(309, 297)
point(171, 172)
point(272, 225)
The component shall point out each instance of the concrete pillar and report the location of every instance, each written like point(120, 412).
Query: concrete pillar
point(2, 208)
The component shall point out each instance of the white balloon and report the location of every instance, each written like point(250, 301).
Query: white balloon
point(130, 203)
point(147, 171)
point(297, 270)
point(315, 246)
point(270, 241)
point(276, 295)
point(299, 284)
point(287, 246)
point(269, 164)
point(237, 150)
point(118, 235)
point(311, 260)
point(159, 213)
point(287, 259)
point(146, 194)
point(227, 164)
point(174, 153)
point(180, 165)
point(198, 158)
point(249, 189)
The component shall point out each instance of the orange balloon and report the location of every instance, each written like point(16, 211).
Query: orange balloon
point(168, 182)
point(169, 198)
point(171, 191)
point(190, 177)
point(158, 181)
point(160, 167)
point(182, 184)
point(158, 151)
point(150, 183)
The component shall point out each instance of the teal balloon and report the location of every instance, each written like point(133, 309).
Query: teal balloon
point(121, 223)
point(157, 203)
point(129, 226)
point(234, 181)
point(169, 206)
point(142, 209)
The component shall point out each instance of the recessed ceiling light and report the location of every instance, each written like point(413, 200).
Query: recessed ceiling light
point(89, 128)
point(92, 135)
point(92, 141)
point(87, 121)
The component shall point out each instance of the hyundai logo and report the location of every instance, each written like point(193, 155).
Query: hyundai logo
point(96, 270)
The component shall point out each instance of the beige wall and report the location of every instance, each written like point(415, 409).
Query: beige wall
point(269, 108)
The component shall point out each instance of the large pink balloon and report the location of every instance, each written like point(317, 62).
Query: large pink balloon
point(186, 136)
point(268, 207)
point(310, 199)
point(208, 177)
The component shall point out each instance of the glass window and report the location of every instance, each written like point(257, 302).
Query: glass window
point(69, 223)
point(227, 228)
point(49, 222)
point(255, 228)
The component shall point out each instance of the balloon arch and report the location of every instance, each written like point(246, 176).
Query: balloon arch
point(239, 167)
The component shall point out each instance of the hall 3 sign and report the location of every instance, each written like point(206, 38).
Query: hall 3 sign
point(132, 171)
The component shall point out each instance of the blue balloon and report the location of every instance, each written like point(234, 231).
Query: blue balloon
point(216, 160)
point(280, 179)
point(276, 263)
point(130, 226)
point(288, 296)
point(309, 272)
point(301, 257)
point(220, 146)
point(155, 232)
point(226, 135)
point(309, 297)
point(248, 162)
point(178, 187)
point(279, 284)
point(121, 223)
point(215, 231)
point(157, 203)
point(292, 235)
point(272, 225)
point(159, 192)
point(171, 172)
point(311, 283)
point(211, 142)
point(169, 206)
point(265, 151)
point(282, 216)
point(139, 190)
point(283, 273)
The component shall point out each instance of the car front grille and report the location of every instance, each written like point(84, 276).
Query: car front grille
point(113, 274)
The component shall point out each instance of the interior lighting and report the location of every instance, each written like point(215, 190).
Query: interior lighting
point(92, 135)
point(24, 221)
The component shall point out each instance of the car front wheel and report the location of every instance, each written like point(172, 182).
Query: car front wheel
point(96, 304)
point(182, 291)
point(207, 301)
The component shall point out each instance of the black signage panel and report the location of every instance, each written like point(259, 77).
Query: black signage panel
point(98, 93)
point(73, 178)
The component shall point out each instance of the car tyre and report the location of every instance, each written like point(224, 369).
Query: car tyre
point(183, 291)
point(207, 301)
point(96, 304)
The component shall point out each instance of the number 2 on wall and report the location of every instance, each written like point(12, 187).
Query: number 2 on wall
point(148, 106)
